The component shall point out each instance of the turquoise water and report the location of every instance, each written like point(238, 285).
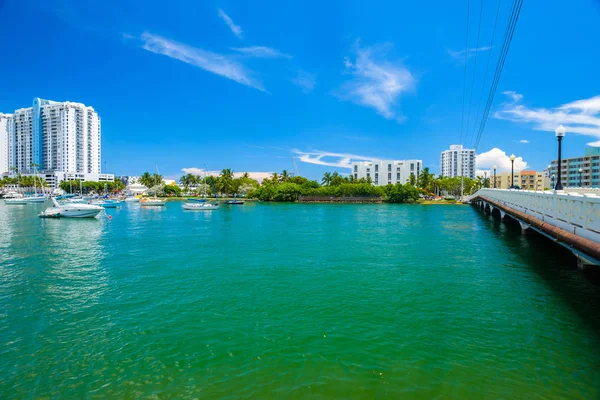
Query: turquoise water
point(291, 301)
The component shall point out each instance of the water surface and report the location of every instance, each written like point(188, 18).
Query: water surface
point(291, 301)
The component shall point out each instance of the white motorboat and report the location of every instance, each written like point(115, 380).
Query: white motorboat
point(132, 200)
point(35, 199)
point(152, 201)
point(198, 206)
point(71, 210)
point(16, 200)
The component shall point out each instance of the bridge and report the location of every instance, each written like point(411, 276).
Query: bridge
point(568, 217)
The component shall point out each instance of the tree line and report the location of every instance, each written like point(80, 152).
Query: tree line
point(73, 186)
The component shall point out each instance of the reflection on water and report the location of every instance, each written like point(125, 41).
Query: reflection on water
point(74, 252)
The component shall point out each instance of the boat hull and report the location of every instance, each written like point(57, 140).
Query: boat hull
point(200, 207)
point(71, 212)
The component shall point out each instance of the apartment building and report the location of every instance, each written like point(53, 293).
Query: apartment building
point(458, 161)
point(383, 172)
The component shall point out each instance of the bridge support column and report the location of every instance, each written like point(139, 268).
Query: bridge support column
point(524, 226)
point(502, 214)
point(484, 205)
point(584, 262)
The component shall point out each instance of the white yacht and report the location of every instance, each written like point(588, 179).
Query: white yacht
point(152, 201)
point(71, 210)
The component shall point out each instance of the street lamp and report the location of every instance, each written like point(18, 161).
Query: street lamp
point(494, 177)
point(560, 134)
point(580, 181)
point(512, 171)
point(553, 176)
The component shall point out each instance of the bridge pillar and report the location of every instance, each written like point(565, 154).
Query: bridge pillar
point(502, 214)
point(484, 205)
point(584, 262)
point(524, 226)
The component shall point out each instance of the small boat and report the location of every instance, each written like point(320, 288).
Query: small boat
point(71, 210)
point(152, 201)
point(200, 206)
point(108, 203)
point(35, 199)
point(132, 200)
point(234, 202)
point(15, 200)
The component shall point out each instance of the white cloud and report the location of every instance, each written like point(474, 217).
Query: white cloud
point(376, 82)
point(218, 64)
point(581, 116)
point(236, 29)
point(305, 80)
point(460, 54)
point(514, 95)
point(499, 158)
point(260, 52)
point(523, 141)
point(330, 159)
point(259, 176)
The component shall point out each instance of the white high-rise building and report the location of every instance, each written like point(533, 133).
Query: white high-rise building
point(57, 136)
point(383, 172)
point(458, 162)
point(6, 142)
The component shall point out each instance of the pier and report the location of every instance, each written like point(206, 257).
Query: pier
point(569, 217)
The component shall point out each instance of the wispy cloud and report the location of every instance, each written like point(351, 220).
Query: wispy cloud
point(219, 64)
point(499, 158)
point(460, 54)
point(260, 52)
point(236, 29)
point(354, 137)
point(516, 97)
point(376, 82)
point(580, 116)
point(523, 141)
point(330, 159)
point(305, 80)
point(259, 176)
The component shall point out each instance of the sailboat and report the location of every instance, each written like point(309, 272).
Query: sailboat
point(35, 198)
point(17, 198)
point(153, 201)
point(201, 204)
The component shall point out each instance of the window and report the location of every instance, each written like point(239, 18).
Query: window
point(376, 176)
point(398, 176)
point(389, 167)
point(355, 168)
point(389, 176)
point(412, 166)
point(376, 167)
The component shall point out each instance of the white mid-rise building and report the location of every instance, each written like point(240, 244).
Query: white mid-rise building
point(6, 142)
point(383, 172)
point(57, 136)
point(458, 161)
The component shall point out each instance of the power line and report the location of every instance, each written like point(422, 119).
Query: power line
point(462, 117)
point(487, 65)
point(508, 35)
point(474, 70)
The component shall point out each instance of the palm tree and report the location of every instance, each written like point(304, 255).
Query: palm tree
point(424, 180)
point(147, 180)
point(326, 181)
point(226, 181)
point(246, 175)
point(285, 176)
point(412, 180)
point(275, 178)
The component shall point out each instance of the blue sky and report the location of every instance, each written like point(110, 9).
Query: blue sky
point(264, 86)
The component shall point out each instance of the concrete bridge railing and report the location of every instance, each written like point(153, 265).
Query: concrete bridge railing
point(573, 212)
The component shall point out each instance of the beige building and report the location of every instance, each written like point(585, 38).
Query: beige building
point(526, 180)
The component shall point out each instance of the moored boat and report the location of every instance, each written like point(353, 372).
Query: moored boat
point(200, 206)
point(152, 201)
point(71, 210)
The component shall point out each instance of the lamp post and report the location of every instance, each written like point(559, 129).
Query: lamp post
point(512, 171)
point(580, 181)
point(494, 177)
point(553, 176)
point(560, 134)
point(484, 178)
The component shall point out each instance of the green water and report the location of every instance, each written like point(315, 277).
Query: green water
point(291, 301)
